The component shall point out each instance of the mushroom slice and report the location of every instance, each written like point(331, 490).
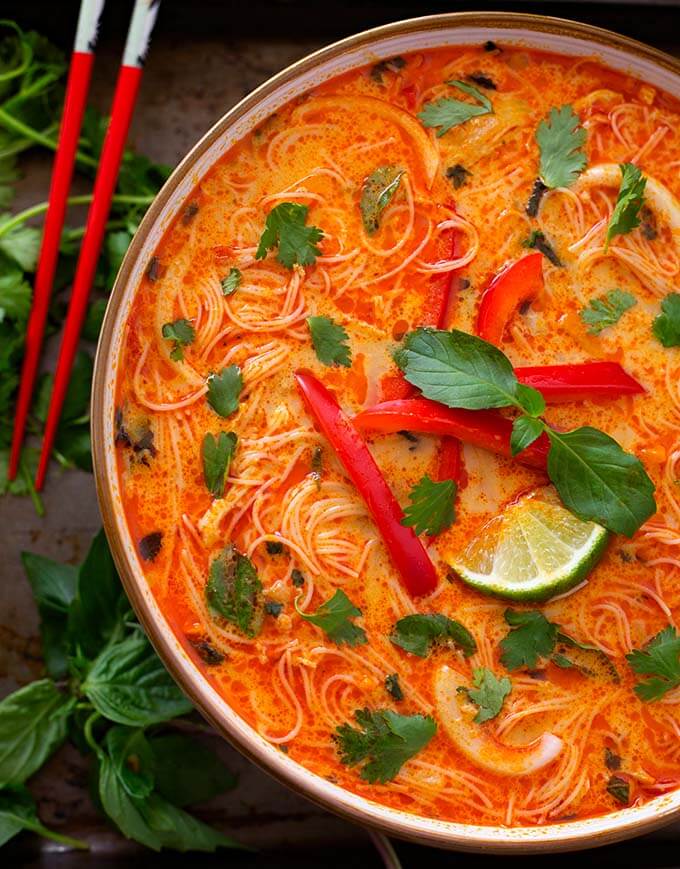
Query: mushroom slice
point(477, 743)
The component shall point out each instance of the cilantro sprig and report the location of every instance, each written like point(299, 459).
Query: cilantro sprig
point(334, 618)
point(449, 112)
point(595, 478)
point(330, 341)
point(385, 740)
point(607, 310)
point(286, 229)
point(560, 139)
point(660, 661)
point(432, 506)
point(626, 214)
point(181, 333)
point(488, 693)
point(666, 326)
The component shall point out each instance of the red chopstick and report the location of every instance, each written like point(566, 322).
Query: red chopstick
point(125, 96)
point(75, 98)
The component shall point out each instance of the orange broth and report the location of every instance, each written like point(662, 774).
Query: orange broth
point(290, 682)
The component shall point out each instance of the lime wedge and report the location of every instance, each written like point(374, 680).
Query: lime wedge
point(535, 550)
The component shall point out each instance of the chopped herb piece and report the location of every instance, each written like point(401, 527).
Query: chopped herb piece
point(224, 390)
point(458, 175)
point(333, 617)
point(330, 341)
point(606, 310)
point(189, 213)
point(385, 739)
point(490, 46)
point(392, 64)
point(208, 653)
point(217, 453)
point(150, 546)
point(539, 242)
point(409, 436)
point(153, 270)
point(560, 139)
point(418, 633)
point(284, 749)
point(317, 462)
point(626, 214)
point(531, 637)
point(589, 660)
point(297, 578)
point(273, 608)
point(666, 326)
point(431, 509)
point(537, 192)
point(274, 547)
point(489, 693)
point(611, 761)
point(286, 229)
point(393, 687)
point(234, 591)
point(482, 80)
point(136, 433)
point(619, 788)
point(231, 282)
point(648, 226)
point(376, 194)
point(447, 112)
point(659, 659)
point(181, 333)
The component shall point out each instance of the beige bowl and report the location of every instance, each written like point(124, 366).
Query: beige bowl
point(383, 42)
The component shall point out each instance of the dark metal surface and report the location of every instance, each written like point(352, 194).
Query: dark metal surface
point(205, 56)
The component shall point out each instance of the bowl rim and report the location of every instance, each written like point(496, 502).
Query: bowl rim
point(553, 837)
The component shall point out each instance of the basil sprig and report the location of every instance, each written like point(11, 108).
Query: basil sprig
point(595, 478)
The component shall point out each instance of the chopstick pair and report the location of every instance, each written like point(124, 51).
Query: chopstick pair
point(125, 95)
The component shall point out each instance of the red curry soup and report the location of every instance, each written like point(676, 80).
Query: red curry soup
point(398, 434)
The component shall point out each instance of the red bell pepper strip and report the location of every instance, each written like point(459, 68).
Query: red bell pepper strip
point(406, 551)
point(519, 282)
point(579, 382)
point(483, 428)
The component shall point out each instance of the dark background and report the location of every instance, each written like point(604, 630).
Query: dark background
point(204, 56)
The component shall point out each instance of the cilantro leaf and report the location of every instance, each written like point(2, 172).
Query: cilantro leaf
point(330, 341)
point(488, 694)
point(447, 112)
point(224, 390)
point(619, 788)
point(560, 139)
point(181, 333)
point(418, 633)
point(21, 244)
point(531, 637)
point(377, 191)
point(333, 617)
point(385, 739)
point(217, 453)
point(461, 370)
point(393, 687)
point(626, 214)
point(666, 326)
point(231, 282)
point(536, 240)
point(458, 175)
point(599, 481)
point(285, 228)
point(234, 591)
point(15, 295)
point(607, 310)
point(525, 430)
point(660, 659)
point(431, 509)
point(8, 175)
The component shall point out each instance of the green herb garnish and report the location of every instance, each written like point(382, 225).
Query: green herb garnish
point(666, 326)
point(418, 633)
point(330, 341)
point(560, 139)
point(231, 282)
point(447, 112)
point(181, 333)
point(660, 660)
point(286, 229)
point(431, 509)
point(376, 194)
point(626, 214)
point(234, 591)
point(607, 310)
point(334, 618)
point(224, 390)
point(217, 453)
point(488, 694)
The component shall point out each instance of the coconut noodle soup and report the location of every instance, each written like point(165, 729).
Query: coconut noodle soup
point(398, 430)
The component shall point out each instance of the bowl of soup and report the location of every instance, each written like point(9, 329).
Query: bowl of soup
point(386, 430)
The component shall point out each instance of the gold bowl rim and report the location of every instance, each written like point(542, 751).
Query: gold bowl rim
point(553, 837)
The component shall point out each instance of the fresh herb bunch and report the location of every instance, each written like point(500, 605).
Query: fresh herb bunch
point(32, 72)
point(107, 692)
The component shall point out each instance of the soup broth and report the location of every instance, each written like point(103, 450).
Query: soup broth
point(243, 534)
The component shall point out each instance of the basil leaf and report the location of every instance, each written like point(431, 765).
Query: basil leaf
point(378, 190)
point(177, 829)
point(418, 633)
point(525, 430)
point(598, 481)
point(33, 723)
point(17, 812)
point(132, 759)
point(457, 369)
point(125, 811)
point(128, 684)
point(224, 390)
point(217, 453)
point(187, 771)
point(234, 591)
